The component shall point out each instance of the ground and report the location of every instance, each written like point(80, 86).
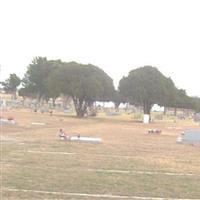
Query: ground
point(129, 164)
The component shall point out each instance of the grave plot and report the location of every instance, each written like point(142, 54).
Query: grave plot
point(191, 136)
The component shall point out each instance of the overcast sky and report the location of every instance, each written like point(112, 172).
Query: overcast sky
point(115, 35)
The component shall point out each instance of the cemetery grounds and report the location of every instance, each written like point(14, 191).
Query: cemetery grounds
point(128, 164)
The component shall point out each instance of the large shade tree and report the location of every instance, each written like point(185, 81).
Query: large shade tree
point(10, 85)
point(84, 83)
point(35, 82)
point(146, 86)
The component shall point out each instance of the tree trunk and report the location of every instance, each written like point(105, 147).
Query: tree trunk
point(80, 107)
point(80, 113)
point(54, 102)
point(165, 111)
point(14, 95)
point(175, 111)
point(38, 98)
point(147, 110)
point(117, 106)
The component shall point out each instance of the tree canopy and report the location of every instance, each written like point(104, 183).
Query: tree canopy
point(146, 86)
point(35, 80)
point(84, 83)
point(195, 104)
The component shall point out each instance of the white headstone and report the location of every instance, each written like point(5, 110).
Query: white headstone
point(146, 119)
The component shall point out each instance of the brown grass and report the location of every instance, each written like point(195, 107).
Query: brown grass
point(126, 146)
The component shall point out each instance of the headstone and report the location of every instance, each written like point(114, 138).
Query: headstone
point(38, 123)
point(146, 118)
point(6, 121)
point(191, 136)
point(85, 139)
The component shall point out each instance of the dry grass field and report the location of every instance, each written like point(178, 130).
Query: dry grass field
point(129, 164)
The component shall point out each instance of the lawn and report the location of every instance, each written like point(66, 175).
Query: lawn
point(129, 164)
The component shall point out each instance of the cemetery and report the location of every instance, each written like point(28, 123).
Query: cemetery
point(65, 136)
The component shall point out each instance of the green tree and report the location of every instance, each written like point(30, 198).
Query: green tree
point(10, 85)
point(23, 93)
point(35, 82)
point(84, 83)
point(178, 99)
point(195, 104)
point(182, 101)
point(53, 81)
point(146, 86)
point(118, 98)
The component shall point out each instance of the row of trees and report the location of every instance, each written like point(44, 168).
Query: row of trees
point(147, 86)
point(85, 84)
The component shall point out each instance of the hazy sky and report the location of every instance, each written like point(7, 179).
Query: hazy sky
point(115, 35)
